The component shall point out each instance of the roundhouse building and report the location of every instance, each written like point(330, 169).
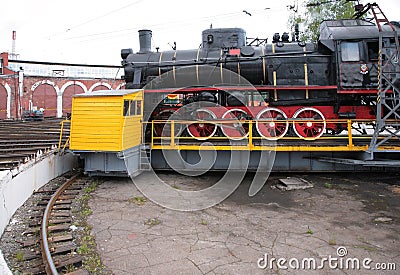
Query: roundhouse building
point(49, 86)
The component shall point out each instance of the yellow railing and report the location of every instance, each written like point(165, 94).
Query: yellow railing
point(61, 147)
point(176, 137)
point(351, 139)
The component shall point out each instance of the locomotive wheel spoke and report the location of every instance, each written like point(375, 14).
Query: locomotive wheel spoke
point(164, 128)
point(202, 130)
point(239, 129)
point(268, 127)
point(309, 123)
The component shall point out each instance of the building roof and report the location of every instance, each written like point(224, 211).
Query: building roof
point(347, 29)
point(109, 93)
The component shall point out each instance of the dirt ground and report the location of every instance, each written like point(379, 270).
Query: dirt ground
point(345, 224)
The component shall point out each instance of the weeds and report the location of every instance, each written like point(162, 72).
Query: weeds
point(69, 268)
point(152, 222)
point(19, 256)
point(87, 244)
point(138, 200)
point(328, 185)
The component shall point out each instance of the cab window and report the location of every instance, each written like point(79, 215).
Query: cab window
point(350, 51)
point(373, 50)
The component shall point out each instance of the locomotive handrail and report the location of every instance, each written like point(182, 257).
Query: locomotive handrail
point(62, 134)
point(251, 142)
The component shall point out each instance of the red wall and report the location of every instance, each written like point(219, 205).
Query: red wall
point(53, 94)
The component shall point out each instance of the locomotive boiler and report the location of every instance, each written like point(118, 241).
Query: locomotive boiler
point(335, 78)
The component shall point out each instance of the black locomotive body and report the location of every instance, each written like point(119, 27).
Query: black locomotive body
point(334, 78)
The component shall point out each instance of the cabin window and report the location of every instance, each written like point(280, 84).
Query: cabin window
point(350, 51)
point(138, 108)
point(373, 50)
point(126, 107)
point(132, 108)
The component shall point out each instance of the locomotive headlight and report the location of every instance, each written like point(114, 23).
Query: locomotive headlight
point(125, 53)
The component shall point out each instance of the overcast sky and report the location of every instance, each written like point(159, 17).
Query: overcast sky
point(94, 32)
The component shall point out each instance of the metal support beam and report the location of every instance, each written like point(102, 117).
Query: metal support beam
point(388, 98)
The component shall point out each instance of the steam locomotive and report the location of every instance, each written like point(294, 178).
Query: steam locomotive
point(297, 86)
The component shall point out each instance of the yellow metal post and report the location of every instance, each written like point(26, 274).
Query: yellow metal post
point(172, 132)
point(350, 134)
point(251, 135)
point(61, 135)
point(305, 72)
point(152, 133)
point(275, 91)
point(65, 145)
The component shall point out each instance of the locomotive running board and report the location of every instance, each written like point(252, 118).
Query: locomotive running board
point(365, 163)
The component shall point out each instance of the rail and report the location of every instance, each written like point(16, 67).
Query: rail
point(46, 254)
point(356, 136)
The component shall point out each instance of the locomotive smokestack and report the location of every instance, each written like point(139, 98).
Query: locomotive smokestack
point(145, 41)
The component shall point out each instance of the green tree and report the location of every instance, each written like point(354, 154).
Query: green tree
point(316, 11)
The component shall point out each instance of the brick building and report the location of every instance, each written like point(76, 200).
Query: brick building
point(32, 85)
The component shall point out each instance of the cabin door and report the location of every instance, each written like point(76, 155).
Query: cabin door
point(358, 64)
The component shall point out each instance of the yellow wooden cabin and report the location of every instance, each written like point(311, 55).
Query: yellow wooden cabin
point(106, 129)
point(106, 120)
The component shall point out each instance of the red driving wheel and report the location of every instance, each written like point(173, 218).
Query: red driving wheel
point(239, 128)
point(272, 123)
point(202, 130)
point(309, 123)
point(163, 127)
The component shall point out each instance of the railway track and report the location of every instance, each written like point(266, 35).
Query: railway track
point(47, 245)
point(23, 141)
point(59, 252)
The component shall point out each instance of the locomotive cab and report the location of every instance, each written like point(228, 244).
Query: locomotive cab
point(355, 43)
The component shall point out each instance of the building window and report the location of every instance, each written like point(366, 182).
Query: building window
point(1, 65)
point(350, 51)
point(58, 73)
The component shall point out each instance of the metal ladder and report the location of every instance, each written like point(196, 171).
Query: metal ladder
point(388, 98)
point(145, 158)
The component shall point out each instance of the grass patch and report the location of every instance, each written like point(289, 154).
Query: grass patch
point(69, 268)
point(152, 222)
point(83, 249)
point(86, 212)
point(138, 200)
point(87, 243)
point(309, 231)
point(91, 187)
point(366, 247)
point(19, 256)
point(328, 185)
